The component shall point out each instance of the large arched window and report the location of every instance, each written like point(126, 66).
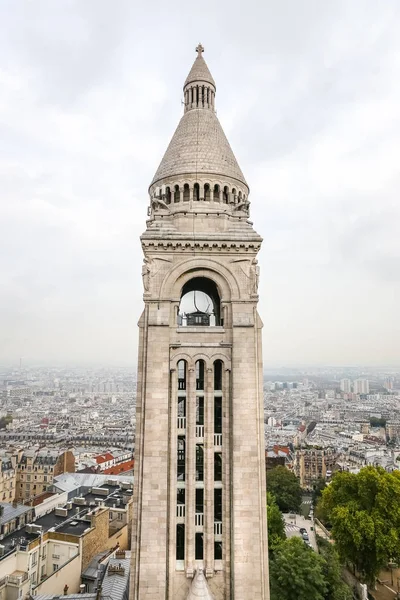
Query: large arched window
point(200, 303)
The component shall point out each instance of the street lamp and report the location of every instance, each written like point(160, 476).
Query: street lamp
point(392, 565)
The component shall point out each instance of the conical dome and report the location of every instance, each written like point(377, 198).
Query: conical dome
point(199, 72)
point(199, 145)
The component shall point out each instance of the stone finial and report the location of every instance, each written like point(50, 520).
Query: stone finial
point(199, 49)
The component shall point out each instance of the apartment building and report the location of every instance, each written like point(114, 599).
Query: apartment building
point(311, 464)
point(37, 468)
point(42, 556)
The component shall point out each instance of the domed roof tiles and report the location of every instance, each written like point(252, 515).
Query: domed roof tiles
point(199, 72)
point(199, 146)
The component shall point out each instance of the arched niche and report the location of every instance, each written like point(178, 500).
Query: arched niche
point(200, 303)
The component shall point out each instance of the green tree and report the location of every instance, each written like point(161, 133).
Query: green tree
point(363, 510)
point(276, 524)
point(318, 486)
point(285, 486)
point(4, 421)
point(296, 571)
point(337, 589)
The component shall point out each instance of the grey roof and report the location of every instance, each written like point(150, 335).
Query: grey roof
point(199, 72)
point(199, 145)
point(11, 511)
point(67, 482)
point(117, 586)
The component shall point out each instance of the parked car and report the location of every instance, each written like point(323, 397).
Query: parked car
point(305, 536)
point(303, 530)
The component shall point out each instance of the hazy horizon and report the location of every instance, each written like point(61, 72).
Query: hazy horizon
point(309, 98)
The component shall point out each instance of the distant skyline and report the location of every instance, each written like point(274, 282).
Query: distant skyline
point(309, 97)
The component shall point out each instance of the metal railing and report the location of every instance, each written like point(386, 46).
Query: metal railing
point(199, 431)
point(217, 439)
point(218, 528)
point(181, 423)
point(180, 511)
point(199, 519)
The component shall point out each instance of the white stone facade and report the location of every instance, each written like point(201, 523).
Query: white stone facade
point(194, 413)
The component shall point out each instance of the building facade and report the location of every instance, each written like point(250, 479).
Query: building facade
point(312, 464)
point(199, 525)
point(37, 468)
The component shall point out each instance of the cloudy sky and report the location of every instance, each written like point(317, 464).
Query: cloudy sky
point(309, 96)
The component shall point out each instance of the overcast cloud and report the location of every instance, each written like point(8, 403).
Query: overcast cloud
point(309, 96)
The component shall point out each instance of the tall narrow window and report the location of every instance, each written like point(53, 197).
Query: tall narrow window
point(180, 542)
point(199, 546)
point(200, 410)
point(200, 375)
point(196, 192)
point(218, 375)
point(182, 375)
point(218, 504)
point(180, 496)
point(217, 415)
point(217, 466)
point(199, 462)
point(217, 550)
point(181, 458)
point(181, 407)
point(199, 500)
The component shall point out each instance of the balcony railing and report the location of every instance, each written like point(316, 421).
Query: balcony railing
point(199, 384)
point(181, 384)
point(17, 579)
point(199, 519)
point(218, 528)
point(217, 439)
point(180, 511)
point(181, 423)
point(56, 556)
point(199, 431)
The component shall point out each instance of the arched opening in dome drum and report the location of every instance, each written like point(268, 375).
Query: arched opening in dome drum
point(216, 193)
point(200, 304)
point(207, 192)
point(186, 192)
point(234, 195)
point(240, 197)
point(177, 194)
point(196, 192)
point(225, 195)
point(168, 195)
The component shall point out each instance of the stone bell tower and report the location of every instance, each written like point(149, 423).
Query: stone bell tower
point(199, 517)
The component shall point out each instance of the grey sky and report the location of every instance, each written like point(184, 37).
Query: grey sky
point(308, 94)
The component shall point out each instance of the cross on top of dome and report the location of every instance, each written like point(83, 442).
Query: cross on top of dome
point(199, 49)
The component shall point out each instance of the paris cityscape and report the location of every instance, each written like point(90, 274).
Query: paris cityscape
point(75, 427)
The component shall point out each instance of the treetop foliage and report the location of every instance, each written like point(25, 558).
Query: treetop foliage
point(364, 511)
point(285, 487)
